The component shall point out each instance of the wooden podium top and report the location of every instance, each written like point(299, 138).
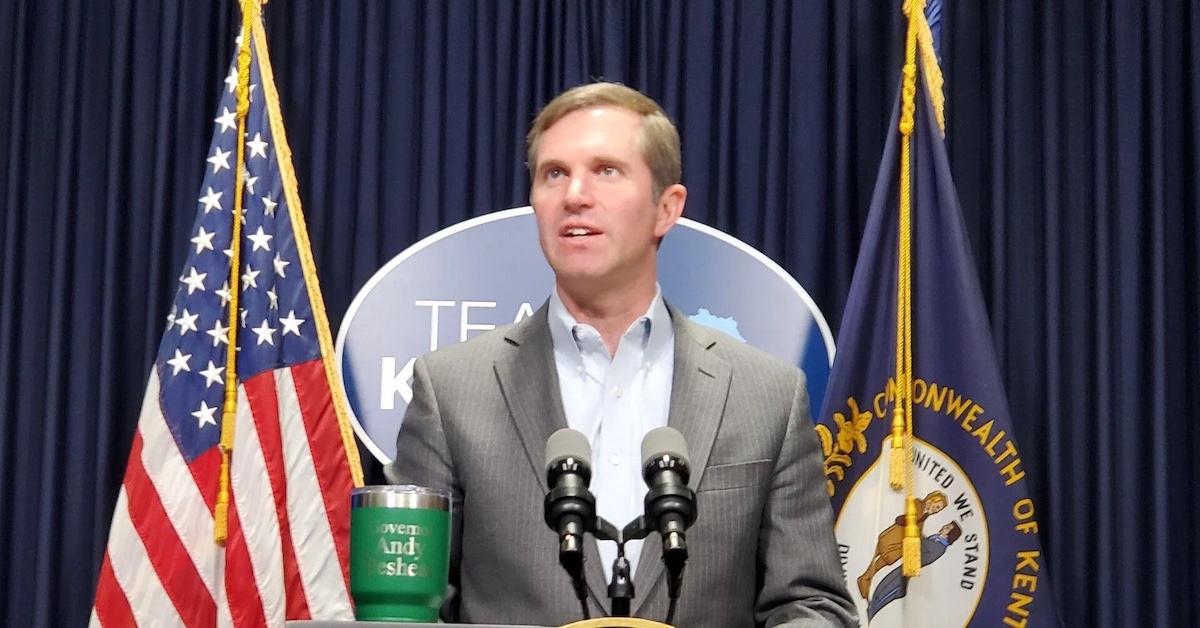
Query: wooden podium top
point(617, 622)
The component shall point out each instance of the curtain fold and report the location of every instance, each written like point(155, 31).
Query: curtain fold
point(1072, 128)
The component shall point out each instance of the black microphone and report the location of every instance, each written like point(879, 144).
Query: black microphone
point(670, 504)
point(570, 508)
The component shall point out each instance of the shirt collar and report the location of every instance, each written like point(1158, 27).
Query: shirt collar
point(656, 321)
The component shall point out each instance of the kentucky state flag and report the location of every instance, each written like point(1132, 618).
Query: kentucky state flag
point(982, 562)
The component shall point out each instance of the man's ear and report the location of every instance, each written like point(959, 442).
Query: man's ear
point(670, 208)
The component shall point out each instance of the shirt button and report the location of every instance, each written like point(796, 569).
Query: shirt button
point(618, 392)
point(615, 460)
point(580, 369)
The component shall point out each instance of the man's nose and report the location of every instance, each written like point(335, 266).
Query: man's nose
point(579, 192)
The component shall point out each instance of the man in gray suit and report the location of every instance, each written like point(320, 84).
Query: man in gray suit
point(607, 356)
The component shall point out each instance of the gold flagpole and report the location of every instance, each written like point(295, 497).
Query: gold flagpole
point(229, 413)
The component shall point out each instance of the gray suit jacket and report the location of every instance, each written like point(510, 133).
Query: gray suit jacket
point(762, 551)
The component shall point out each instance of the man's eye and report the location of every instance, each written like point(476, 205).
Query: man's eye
point(554, 173)
point(608, 171)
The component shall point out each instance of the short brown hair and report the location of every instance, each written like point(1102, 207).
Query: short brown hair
point(954, 533)
point(659, 140)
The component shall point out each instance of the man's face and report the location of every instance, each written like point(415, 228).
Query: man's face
point(946, 530)
point(598, 223)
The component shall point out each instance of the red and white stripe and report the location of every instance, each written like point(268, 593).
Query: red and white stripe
point(286, 556)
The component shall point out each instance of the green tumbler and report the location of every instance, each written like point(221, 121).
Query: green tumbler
point(399, 552)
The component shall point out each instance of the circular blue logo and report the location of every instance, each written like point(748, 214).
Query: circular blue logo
point(488, 272)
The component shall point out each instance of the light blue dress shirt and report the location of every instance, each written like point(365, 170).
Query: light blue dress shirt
point(615, 401)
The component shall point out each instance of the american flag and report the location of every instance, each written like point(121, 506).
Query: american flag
point(294, 460)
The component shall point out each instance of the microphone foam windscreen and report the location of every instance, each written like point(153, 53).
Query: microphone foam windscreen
point(568, 443)
point(664, 441)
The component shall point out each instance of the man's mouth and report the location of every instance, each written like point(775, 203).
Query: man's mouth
point(577, 232)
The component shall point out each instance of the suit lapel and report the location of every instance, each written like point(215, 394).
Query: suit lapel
point(529, 382)
point(528, 379)
point(699, 388)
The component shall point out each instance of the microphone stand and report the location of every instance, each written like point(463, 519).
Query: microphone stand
point(635, 530)
point(620, 590)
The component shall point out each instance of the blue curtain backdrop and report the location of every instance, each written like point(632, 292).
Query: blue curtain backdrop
point(1072, 129)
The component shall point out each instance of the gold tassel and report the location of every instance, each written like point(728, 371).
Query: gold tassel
point(220, 522)
point(896, 460)
point(221, 511)
point(911, 567)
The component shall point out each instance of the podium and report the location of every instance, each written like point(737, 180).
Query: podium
point(599, 622)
